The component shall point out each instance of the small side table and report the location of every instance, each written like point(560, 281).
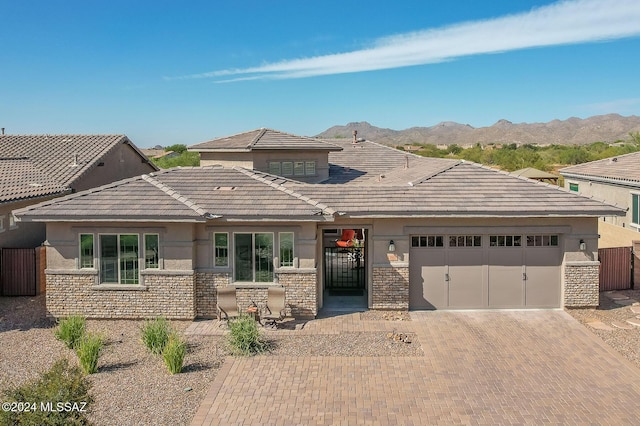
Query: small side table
point(254, 313)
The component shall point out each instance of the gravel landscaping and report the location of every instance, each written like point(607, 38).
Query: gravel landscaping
point(133, 387)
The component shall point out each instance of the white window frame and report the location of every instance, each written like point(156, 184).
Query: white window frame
point(635, 207)
point(215, 247)
point(293, 248)
point(253, 266)
point(144, 243)
point(99, 258)
point(93, 251)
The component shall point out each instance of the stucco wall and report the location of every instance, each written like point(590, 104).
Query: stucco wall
point(618, 195)
point(122, 162)
point(227, 159)
point(22, 234)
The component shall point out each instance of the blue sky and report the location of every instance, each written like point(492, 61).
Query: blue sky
point(165, 72)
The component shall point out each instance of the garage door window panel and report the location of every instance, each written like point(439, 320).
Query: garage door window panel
point(427, 241)
point(465, 241)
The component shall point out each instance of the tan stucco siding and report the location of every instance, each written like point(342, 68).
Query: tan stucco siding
point(227, 159)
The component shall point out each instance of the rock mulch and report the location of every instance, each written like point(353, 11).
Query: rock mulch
point(616, 321)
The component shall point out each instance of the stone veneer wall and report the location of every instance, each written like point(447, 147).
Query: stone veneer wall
point(301, 294)
point(206, 292)
point(390, 287)
point(581, 284)
point(170, 294)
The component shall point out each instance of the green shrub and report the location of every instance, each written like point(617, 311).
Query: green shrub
point(244, 337)
point(70, 330)
point(88, 351)
point(62, 384)
point(155, 334)
point(174, 353)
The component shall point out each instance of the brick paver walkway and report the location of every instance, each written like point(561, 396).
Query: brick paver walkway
point(510, 367)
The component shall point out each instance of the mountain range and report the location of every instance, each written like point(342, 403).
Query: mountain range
point(573, 131)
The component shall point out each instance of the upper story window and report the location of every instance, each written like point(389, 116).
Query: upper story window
point(292, 168)
point(2, 223)
point(635, 209)
point(573, 187)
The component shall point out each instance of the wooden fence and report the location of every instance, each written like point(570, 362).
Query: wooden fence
point(616, 266)
point(18, 272)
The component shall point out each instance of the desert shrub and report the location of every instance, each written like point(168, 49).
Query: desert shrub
point(173, 353)
point(155, 334)
point(61, 394)
point(70, 330)
point(88, 351)
point(244, 337)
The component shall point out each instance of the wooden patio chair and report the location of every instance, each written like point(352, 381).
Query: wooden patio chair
point(275, 309)
point(227, 305)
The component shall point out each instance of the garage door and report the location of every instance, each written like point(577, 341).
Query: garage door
point(453, 271)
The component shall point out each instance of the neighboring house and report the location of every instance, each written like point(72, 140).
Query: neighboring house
point(417, 233)
point(615, 180)
point(34, 168)
point(535, 174)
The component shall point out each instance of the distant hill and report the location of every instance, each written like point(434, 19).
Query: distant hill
point(573, 131)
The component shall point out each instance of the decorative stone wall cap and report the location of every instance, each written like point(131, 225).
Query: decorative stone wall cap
point(255, 285)
point(125, 287)
point(296, 270)
point(167, 272)
point(391, 265)
point(582, 263)
point(71, 271)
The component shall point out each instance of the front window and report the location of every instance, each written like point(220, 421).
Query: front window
point(635, 209)
point(86, 251)
point(286, 248)
point(573, 187)
point(253, 257)
point(151, 256)
point(221, 249)
point(119, 259)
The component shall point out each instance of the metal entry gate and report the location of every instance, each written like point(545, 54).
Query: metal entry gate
point(344, 269)
point(18, 272)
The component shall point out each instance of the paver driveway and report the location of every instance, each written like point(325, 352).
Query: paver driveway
point(508, 367)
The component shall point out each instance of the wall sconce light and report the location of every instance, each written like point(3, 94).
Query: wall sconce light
point(583, 245)
point(392, 246)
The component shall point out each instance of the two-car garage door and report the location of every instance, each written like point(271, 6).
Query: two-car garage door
point(484, 271)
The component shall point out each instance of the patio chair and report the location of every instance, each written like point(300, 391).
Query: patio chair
point(346, 240)
point(275, 309)
point(227, 304)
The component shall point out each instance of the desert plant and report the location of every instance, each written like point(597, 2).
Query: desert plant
point(155, 334)
point(61, 394)
point(88, 351)
point(173, 353)
point(70, 330)
point(244, 337)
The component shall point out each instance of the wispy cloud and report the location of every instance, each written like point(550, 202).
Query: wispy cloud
point(615, 105)
point(561, 23)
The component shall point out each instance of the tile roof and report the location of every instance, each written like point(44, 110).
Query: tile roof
point(412, 186)
point(186, 193)
point(263, 139)
point(58, 161)
point(623, 168)
point(20, 178)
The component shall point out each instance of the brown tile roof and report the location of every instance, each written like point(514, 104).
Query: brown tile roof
point(58, 160)
point(428, 187)
point(190, 194)
point(263, 139)
point(623, 169)
point(20, 178)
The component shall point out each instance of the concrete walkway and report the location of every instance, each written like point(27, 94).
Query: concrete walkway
point(508, 367)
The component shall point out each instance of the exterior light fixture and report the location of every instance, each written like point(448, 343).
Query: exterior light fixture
point(392, 246)
point(583, 245)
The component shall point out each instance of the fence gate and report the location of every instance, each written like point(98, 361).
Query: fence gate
point(615, 268)
point(18, 272)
